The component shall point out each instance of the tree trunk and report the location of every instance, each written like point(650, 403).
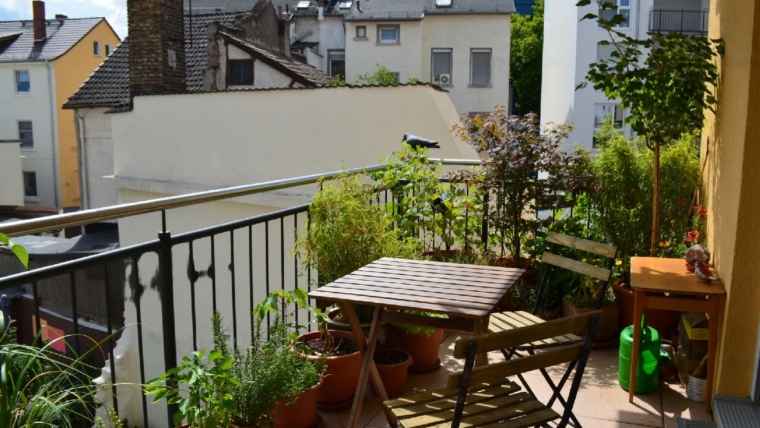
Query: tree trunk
point(656, 202)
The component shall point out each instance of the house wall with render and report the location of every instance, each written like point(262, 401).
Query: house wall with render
point(11, 179)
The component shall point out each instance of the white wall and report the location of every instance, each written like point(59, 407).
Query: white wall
point(35, 106)
point(11, 180)
point(96, 158)
point(404, 58)
point(462, 33)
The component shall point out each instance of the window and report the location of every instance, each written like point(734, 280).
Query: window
point(23, 85)
point(30, 184)
point(442, 3)
point(108, 50)
point(480, 67)
point(337, 63)
point(241, 72)
point(623, 8)
point(441, 67)
point(25, 134)
point(388, 34)
point(96, 48)
point(361, 32)
point(601, 111)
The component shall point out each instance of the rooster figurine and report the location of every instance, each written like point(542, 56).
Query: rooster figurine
point(702, 272)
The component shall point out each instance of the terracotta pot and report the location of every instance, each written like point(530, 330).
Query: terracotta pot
point(394, 375)
point(300, 414)
point(665, 322)
point(441, 255)
point(383, 337)
point(423, 349)
point(342, 375)
point(607, 329)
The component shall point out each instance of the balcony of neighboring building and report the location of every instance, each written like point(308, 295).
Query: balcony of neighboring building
point(681, 16)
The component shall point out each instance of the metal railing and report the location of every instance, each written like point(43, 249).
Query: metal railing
point(168, 248)
point(680, 21)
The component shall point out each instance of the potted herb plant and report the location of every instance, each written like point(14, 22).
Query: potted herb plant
point(422, 343)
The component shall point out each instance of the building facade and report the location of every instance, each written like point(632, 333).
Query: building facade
point(42, 63)
point(571, 45)
point(11, 178)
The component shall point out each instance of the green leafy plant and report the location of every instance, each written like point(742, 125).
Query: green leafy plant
point(515, 150)
point(270, 370)
point(422, 331)
point(113, 418)
point(666, 82)
point(203, 388)
point(441, 213)
point(41, 387)
point(381, 76)
point(337, 80)
point(18, 250)
point(525, 58)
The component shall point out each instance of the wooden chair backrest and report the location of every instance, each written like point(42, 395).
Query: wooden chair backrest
point(513, 338)
point(593, 271)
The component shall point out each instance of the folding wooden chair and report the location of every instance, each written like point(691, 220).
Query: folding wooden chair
point(483, 396)
point(505, 321)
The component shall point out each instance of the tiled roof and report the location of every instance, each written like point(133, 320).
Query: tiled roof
point(7, 209)
point(62, 35)
point(108, 85)
point(297, 70)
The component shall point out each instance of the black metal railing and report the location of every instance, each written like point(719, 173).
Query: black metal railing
point(247, 256)
point(680, 21)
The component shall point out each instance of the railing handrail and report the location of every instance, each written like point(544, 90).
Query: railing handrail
point(79, 218)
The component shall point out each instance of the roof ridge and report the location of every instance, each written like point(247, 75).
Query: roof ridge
point(53, 19)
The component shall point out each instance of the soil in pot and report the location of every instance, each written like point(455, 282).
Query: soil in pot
point(393, 365)
point(665, 322)
point(343, 368)
point(423, 349)
point(301, 413)
point(607, 329)
point(337, 321)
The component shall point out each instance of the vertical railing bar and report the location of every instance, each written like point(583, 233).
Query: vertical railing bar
point(232, 283)
point(109, 328)
point(308, 268)
point(295, 257)
point(138, 314)
point(74, 314)
point(212, 274)
point(250, 277)
point(193, 280)
point(36, 296)
point(266, 270)
point(282, 256)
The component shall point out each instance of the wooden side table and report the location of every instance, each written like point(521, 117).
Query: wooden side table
point(660, 283)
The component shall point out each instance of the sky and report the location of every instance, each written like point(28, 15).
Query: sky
point(115, 11)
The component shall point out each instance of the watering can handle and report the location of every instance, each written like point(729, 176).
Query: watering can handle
point(644, 320)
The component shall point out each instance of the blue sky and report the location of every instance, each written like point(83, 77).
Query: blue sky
point(115, 11)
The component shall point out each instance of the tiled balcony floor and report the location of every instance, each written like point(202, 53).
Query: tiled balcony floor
point(601, 402)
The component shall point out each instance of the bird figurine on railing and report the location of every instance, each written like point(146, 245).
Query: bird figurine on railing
point(702, 272)
point(417, 142)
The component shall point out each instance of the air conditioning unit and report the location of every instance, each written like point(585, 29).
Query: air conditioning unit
point(442, 79)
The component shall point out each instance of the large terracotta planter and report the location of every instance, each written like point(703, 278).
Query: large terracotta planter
point(423, 349)
point(383, 338)
point(299, 414)
point(342, 375)
point(606, 331)
point(394, 375)
point(665, 322)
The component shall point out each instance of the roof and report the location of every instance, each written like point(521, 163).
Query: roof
point(108, 85)
point(297, 70)
point(17, 38)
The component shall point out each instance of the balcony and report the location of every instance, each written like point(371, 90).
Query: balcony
point(694, 22)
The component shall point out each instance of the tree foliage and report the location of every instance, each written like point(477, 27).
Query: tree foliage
point(525, 63)
point(666, 82)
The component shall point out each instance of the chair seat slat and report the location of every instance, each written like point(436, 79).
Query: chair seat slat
point(448, 401)
point(530, 420)
point(497, 414)
point(470, 409)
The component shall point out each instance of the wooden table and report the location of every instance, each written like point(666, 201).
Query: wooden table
point(660, 283)
point(466, 293)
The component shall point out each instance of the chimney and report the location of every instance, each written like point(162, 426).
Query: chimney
point(60, 16)
point(156, 47)
point(358, 5)
point(320, 10)
point(279, 12)
point(40, 27)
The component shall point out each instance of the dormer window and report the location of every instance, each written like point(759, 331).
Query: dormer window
point(303, 5)
point(346, 4)
point(241, 72)
point(443, 3)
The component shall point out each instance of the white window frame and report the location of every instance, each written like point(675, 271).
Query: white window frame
point(620, 129)
point(96, 48)
point(396, 41)
point(620, 8)
point(489, 51)
point(17, 73)
point(359, 36)
point(450, 51)
point(18, 127)
point(330, 54)
point(108, 50)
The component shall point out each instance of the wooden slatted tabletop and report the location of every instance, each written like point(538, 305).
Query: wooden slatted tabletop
point(459, 290)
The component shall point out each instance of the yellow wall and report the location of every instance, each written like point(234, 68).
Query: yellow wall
point(71, 70)
point(732, 181)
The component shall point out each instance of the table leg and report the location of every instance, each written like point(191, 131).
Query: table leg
point(368, 364)
point(638, 311)
point(712, 346)
point(481, 327)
